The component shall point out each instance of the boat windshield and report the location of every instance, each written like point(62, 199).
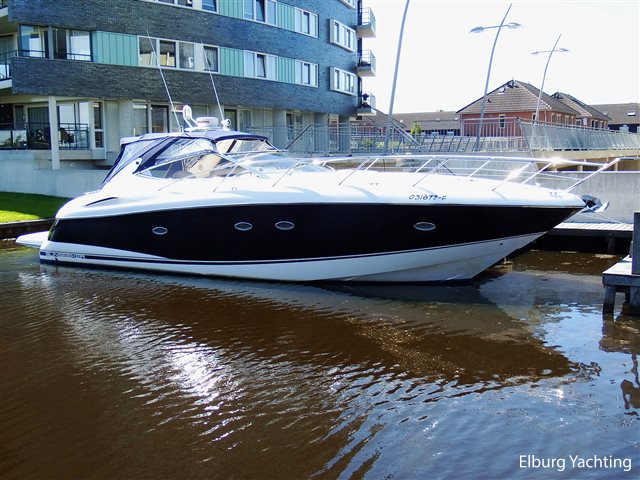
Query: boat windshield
point(128, 154)
point(243, 145)
point(185, 157)
point(273, 162)
point(201, 157)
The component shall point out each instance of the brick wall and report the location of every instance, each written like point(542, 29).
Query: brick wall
point(69, 78)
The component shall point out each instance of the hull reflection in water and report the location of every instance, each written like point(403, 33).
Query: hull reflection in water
point(413, 334)
point(159, 376)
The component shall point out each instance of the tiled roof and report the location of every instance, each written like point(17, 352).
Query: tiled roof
point(621, 113)
point(515, 96)
point(584, 110)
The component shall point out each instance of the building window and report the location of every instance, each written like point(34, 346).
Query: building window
point(98, 126)
point(350, 3)
point(146, 52)
point(342, 35)
point(343, 81)
point(150, 118)
point(140, 120)
point(306, 73)
point(184, 3)
point(211, 62)
point(501, 121)
point(159, 118)
point(186, 56)
point(306, 22)
point(167, 53)
point(33, 41)
point(210, 5)
point(71, 44)
point(260, 65)
point(260, 11)
point(272, 14)
point(244, 120)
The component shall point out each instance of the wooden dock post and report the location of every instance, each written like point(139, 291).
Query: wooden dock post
point(624, 276)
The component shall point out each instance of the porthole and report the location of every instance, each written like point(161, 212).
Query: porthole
point(285, 225)
point(243, 226)
point(160, 230)
point(424, 226)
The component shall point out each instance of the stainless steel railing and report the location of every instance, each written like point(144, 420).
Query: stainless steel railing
point(511, 135)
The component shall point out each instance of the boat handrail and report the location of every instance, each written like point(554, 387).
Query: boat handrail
point(362, 164)
point(288, 171)
point(603, 167)
point(501, 168)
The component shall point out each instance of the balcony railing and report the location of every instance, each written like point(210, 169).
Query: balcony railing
point(5, 64)
point(366, 23)
point(5, 58)
point(366, 63)
point(36, 136)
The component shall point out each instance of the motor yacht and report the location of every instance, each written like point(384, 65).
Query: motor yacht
point(212, 201)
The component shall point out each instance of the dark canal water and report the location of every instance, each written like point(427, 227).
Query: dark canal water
point(133, 376)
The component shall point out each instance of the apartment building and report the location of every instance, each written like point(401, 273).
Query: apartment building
point(76, 76)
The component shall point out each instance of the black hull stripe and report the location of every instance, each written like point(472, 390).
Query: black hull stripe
point(209, 234)
point(44, 257)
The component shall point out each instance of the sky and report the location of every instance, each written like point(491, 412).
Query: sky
point(444, 67)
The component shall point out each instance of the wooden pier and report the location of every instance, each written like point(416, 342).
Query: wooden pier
point(624, 276)
point(607, 237)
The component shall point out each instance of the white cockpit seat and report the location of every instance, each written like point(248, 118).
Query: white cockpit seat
point(204, 166)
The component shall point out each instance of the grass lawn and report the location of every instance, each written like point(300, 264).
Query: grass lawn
point(15, 207)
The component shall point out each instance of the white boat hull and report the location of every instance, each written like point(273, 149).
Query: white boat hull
point(441, 264)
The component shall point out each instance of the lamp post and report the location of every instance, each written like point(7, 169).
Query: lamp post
point(395, 78)
point(544, 75)
point(486, 86)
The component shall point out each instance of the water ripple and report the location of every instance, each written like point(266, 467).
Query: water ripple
point(118, 375)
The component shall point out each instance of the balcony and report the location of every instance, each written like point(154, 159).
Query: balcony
point(366, 66)
point(367, 107)
point(366, 24)
point(5, 64)
point(36, 136)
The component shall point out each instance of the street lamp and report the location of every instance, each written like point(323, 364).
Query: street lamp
point(387, 132)
point(544, 75)
point(486, 86)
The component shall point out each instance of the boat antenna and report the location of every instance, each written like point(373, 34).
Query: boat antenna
point(164, 82)
point(213, 83)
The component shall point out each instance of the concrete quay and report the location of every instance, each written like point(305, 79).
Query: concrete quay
point(15, 229)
